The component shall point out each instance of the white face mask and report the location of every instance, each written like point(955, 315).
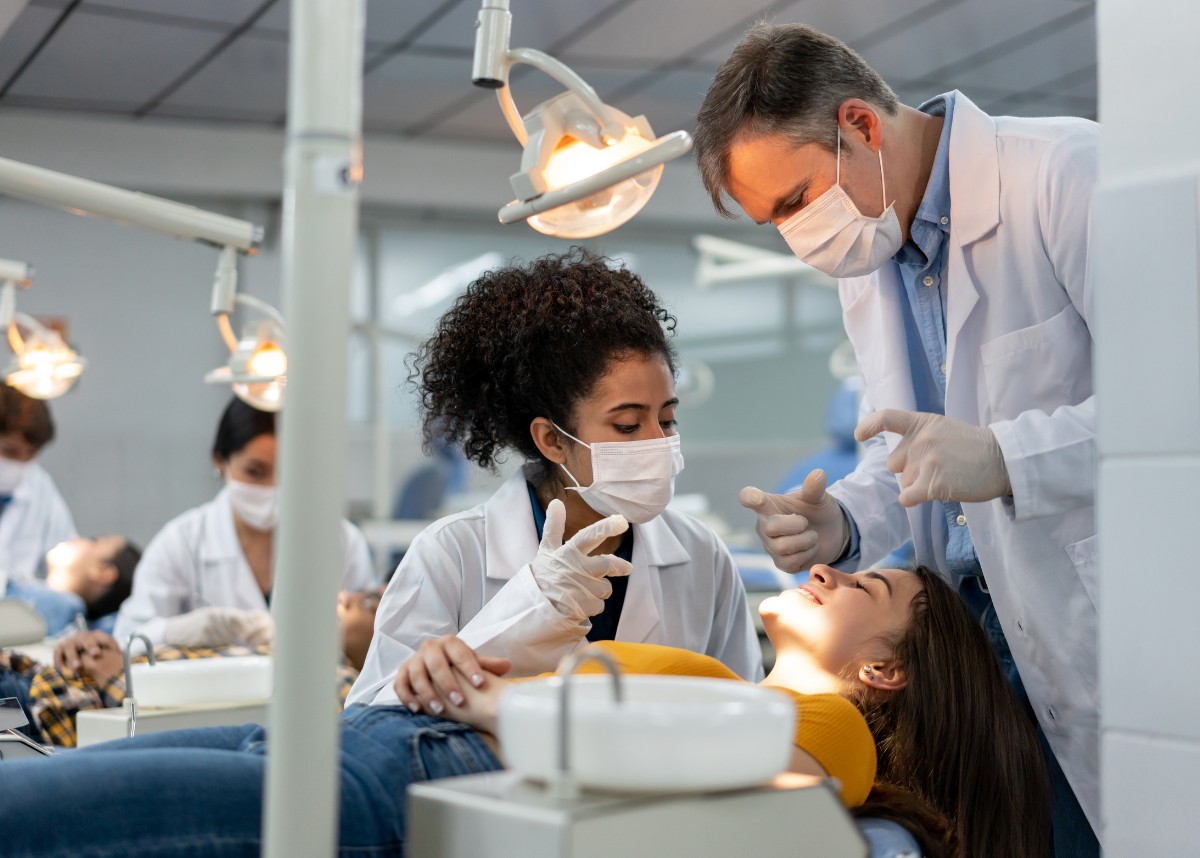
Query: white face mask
point(833, 236)
point(635, 479)
point(12, 473)
point(256, 506)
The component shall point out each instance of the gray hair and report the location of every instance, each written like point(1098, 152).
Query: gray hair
point(784, 79)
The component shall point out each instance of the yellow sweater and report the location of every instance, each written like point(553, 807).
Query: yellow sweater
point(828, 726)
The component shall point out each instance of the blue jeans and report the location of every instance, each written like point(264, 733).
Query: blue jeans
point(199, 792)
point(58, 609)
point(1073, 835)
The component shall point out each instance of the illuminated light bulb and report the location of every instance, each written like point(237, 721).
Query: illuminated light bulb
point(45, 367)
point(267, 359)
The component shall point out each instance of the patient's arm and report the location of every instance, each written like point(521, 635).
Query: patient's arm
point(481, 705)
point(441, 671)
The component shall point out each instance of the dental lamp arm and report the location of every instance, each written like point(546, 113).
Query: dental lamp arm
point(83, 196)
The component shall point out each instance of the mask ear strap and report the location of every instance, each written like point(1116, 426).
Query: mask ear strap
point(882, 180)
point(838, 155)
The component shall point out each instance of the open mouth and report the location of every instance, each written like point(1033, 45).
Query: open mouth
point(808, 594)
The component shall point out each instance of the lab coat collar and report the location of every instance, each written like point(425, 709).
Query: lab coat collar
point(974, 172)
point(221, 544)
point(510, 537)
point(511, 541)
point(975, 206)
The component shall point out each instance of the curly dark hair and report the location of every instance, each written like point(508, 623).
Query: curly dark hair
point(531, 341)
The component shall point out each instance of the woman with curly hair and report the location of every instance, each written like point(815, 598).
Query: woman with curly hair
point(565, 363)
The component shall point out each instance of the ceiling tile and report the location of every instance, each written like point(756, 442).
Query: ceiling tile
point(1036, 64)
point(848, 21)
point(407, 89)
point(82, 61)
point(249, 77)
point(541, 28)
point(964, 35)
point(230, 12)
point(387, 20)
point(22, 37)
point(655, 31)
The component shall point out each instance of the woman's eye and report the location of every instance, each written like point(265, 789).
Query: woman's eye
point(668, 424)
point(860, 585)
point(626, 430)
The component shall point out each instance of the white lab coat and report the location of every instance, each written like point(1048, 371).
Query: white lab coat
point(196, 560)
point(1018, 334)
point(468, 574)
point(35, 520)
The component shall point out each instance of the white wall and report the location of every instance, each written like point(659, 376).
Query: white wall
point(1148, 393)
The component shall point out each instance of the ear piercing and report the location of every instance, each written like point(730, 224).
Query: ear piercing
point(868, 670)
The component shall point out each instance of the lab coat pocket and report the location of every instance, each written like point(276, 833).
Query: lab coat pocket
point(1040, 367)
point(1083, 555)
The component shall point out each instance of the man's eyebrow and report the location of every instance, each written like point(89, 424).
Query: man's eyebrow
point(885, 581)
point(791, 200)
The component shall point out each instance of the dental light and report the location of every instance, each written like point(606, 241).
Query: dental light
point(43, 365)
point(257, 367)
point(257, 362)
point(587, 167)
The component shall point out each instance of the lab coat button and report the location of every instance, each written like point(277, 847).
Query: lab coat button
point(961, 520)
point(945, 220)
point(928, 281)
point(943, 369)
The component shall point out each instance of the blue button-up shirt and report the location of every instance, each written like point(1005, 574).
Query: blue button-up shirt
point(921, 263)
point(922, 266)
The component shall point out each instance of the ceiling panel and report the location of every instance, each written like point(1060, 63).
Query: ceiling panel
point(650, 31)
point(231, 12)
point(22, 37)
point(249, 80)
point(538, 25)
point(1036, 64)
point(387, 20)
point(962, 36)
point(407, 89)
point(852, 21)
point(81, 61)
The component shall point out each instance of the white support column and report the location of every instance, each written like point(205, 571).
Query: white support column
point(1145, 249)
point(320, 221)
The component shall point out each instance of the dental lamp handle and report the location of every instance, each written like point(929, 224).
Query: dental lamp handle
point(493, 60)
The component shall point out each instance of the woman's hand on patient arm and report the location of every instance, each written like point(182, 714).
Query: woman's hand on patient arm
point(481, 705)
point(441, 672)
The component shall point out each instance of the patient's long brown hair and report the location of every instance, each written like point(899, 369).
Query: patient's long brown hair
point(957, 738)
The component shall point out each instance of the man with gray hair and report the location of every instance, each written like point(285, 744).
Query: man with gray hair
point(960, 241)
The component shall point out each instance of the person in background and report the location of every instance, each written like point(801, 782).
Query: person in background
point(960, 243)
point(98, 572)
point(208, 573)
point(33, 515)
point(567, 364)
point(88, 670)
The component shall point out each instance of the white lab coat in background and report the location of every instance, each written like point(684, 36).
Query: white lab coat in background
point(1019, 360)
point(196, 561)
point(468, 574)
point(35, 520)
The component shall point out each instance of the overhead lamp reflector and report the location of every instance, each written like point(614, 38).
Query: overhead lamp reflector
point(578, 180)
point(257, 368)
point(587, 167)
point(43, 365)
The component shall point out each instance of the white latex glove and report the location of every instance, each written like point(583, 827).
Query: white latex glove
point(800, 528)
point(575, 583)
point(940, 458)
point(216, 626)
